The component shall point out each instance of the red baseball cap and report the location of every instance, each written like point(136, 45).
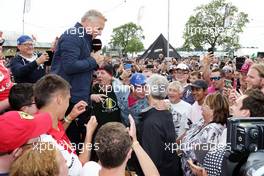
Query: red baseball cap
point(245, 68)
point(18, 127)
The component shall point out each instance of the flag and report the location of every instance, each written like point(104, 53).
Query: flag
point(27, 6)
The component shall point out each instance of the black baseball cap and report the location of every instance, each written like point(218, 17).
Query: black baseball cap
point(200, 84)
point(150, 66)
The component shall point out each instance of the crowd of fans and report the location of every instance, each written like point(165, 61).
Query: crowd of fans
point(90, 115)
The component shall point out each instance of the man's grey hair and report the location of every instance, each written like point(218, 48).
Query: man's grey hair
point(176, 85)
point(92, 15)
point(158, 86)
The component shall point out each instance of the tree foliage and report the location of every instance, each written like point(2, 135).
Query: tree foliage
point(215, 24)
point(128, 37)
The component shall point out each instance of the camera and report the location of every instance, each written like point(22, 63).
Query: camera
point(245, 134)
point(245, 156)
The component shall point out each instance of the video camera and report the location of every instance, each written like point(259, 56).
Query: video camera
point(246, 139)
point(245, 134)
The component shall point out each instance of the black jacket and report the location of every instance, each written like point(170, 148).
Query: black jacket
point(25, 71)
point(157, 136)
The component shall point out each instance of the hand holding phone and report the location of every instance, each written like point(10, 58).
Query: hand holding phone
point(228, 83)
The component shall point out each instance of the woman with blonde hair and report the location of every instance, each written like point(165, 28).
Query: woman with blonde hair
point(40, 159)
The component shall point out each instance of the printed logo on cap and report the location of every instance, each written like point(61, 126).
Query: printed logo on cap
point(26, 116)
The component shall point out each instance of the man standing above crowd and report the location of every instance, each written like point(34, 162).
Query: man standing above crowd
point(75, 62)
point(199, 91)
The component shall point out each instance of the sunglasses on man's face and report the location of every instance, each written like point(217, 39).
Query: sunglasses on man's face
point(217, 78)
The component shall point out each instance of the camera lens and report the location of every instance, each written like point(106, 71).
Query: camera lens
point(253, 147)
point(253, 133)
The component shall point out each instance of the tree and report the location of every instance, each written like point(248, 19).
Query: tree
point(128, 37)
point(215, 24)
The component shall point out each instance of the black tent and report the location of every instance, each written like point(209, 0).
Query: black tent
point(159, 46)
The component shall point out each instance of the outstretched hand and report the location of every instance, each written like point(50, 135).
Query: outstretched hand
point(98, 97)
point(91, 125)
point(77, 109)
point(132, 128)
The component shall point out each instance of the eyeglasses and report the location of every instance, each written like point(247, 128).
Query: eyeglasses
point(182, 71)
point(217, 78)
point(28, 44)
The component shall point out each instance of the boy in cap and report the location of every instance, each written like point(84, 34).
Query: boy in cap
point(132, 99)
point(27, 66)
point(199, 92)
point(19, 129)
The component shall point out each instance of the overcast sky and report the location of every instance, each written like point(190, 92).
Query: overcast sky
point(49, 18)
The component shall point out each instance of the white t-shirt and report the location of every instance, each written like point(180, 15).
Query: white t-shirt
point(91, 168)
point(196, 112)
point(73, 162)
point(181, 112)
point(34, 57)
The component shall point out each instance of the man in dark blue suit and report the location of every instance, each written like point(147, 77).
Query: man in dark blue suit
point(74, 61)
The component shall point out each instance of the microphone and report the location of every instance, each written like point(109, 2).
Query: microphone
point(96, 45)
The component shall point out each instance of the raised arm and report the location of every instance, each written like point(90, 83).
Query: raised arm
point(145, 162)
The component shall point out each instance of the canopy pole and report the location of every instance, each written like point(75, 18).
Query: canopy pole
point(168, 43)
